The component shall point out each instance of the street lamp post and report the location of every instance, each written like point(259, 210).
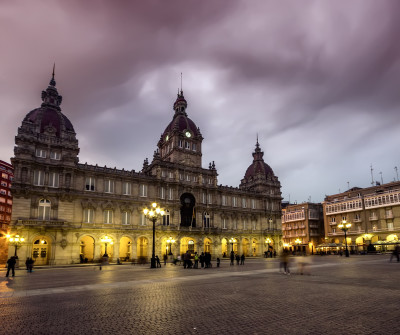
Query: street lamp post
point(16, 241)
point(345, 226)
point(153, 214)
point(232, 241)
point(106, 240)
point(170, 241)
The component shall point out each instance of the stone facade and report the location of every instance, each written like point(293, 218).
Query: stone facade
point(64, 208)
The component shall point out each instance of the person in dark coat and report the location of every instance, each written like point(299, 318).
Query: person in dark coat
point(202, 260)
point(242, 259)
point(11, 266)
point(29, 264)
point(232, 257)
point(237, 259)
point(158, 261)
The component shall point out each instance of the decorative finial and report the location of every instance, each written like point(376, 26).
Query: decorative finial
point(181, 84)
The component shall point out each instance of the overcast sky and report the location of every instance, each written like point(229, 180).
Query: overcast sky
point(318, 81)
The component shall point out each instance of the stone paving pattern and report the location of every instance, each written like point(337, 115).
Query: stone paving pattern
point(338, 295)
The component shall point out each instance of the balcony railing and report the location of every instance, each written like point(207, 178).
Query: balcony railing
point(373, 218)
point(357, 220)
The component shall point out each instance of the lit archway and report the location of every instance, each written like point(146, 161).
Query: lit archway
point(86, 246)
point(142, 247)
point(224, 247)
point(125, 248)
point(208, 246)
point(254, 247)
point(245, 246)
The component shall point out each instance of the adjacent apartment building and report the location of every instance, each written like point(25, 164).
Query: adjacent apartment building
point(374, 214)
point(6, 180)
point(302, 227)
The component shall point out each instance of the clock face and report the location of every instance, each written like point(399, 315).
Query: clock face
point(188, 134)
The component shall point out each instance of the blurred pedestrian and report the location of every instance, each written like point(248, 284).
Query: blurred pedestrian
point(237, 259)
point(196, 260)
point(165, 259)
point(11, 266)
point(232, 257)
point(29, 264)
point(158, 261)
point(218, 262)
point(242, 259)
point(202, 260)
point(285, 262)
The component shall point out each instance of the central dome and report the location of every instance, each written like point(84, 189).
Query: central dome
point(181, 123)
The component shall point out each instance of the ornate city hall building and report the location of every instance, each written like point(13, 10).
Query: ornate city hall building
point(64, 210)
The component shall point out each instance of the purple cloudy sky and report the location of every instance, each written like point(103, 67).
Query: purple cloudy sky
point(318, 81)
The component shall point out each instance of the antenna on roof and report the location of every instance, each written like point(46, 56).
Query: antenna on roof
point(181, 82)
point(372, 176)
point(381, 178)
point(397, 174)
point(348, 185)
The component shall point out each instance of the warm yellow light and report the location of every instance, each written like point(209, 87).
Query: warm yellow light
point(268, 240)
point(298, 241)
point(340, 225)
point(11, 239)
point(154, 205)
point(107, 239)
point(145, 211)
point(232, 240)
point(151, 213)
point(22, 239)
point(158, 210)
point(162, 212)
point(348, 225)
point(8, 235)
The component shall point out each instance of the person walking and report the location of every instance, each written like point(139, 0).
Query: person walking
point(196, 260)
point(11, 266)
point(237, 259)
point(232, 257)
point(165, 259)
point(158, 261)
point(202, 260)
point(242, 259)
point(29, 264)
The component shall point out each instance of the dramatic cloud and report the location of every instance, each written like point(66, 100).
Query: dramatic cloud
point(318, 82)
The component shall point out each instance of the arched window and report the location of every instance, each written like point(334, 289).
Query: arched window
point(165, 221)
point(206, 220)
point(44, 209)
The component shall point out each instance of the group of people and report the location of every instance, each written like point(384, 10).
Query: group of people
point(12, 261)
point(239, 259)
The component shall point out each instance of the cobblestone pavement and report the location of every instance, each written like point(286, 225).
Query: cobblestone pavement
point(336, 295)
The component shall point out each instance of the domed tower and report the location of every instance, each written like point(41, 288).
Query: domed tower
point(259, 176)
point(45, 144)
point(181, 140)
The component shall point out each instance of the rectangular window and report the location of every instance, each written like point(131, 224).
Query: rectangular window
point(54, 179)
point(55, 155)
point(109, 186)
point(5, 176)
point(88, 215)
point(187, 145)
point(180, 176)
point(194, 148)
point(143, 220)
point(170, 194)
point(38, 178)
point(90, 184)
point(244, 225)
point(235, 224)
point(244, 203)
point(209, 181)
point(187, 177)
point(171, 175)
point(3, 192)
point(180, 144)
point(209, 199)
point(143, 190)
point(224, 200)
point(3, 183)
point(195, 178)
point(126, 217)
point(163, 174)
point(224, 224)
point(254, 225)
point(108, 216)
point(41, 153)
point(162, 192)
point(44, 212)
point(253, 204)
point(126, 188)
point(234, 201)
point(204, 198)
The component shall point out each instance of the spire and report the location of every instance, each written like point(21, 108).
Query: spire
point(52, 81)
point(50, 97)
point(258, 154)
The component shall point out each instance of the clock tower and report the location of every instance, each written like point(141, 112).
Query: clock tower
point(181, 141)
